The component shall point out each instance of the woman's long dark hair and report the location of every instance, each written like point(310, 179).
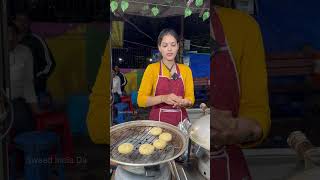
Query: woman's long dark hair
point(165, 32)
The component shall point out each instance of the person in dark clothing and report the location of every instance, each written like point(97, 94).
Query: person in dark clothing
point(22, 93)
point(44, 63)
point(122, 78)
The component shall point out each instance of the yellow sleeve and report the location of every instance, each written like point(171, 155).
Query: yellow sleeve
point(253, 80)
point(146, 86)
point(189, 89)
point(98, 118)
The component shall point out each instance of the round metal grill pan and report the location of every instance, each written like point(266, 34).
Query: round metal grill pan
point(138, 133)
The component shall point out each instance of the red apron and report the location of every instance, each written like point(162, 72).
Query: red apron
point(163, 112)
point(227, 163)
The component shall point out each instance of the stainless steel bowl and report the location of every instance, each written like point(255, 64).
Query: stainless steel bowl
point(199, 131)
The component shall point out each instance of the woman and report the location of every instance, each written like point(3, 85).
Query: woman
point(241, 116)
point(166, 86)
point(99, 112)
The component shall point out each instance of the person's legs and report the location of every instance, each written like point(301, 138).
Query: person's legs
point(23, 118)
point(116, 99)
point(40, 85)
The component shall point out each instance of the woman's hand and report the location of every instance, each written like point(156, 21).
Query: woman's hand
point(175, 101)
point(170, 99)
point(223, 120)
point(227, 130)
point(223, 126)
point(183, 103)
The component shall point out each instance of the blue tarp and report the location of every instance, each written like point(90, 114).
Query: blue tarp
point(200, 65)
point(289, 25)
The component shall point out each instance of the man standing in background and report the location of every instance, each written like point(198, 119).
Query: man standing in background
point(21, 83)
point(122, 77)
point(44, 63)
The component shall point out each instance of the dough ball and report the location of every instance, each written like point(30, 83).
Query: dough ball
point(156, 131)
point(125, 148)
point(165, 137)
point(146, 149)
point(159, 144)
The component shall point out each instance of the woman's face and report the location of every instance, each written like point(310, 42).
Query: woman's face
point(169, 47)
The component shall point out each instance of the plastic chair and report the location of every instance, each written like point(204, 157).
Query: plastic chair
point(77, 109)
point(57, 122)
point(122, 111)
point(12, 165)
point(36, 146)
point(127, 99)
point(134, 97)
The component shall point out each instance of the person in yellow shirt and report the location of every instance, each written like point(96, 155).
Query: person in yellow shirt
point(99, 117)
point(239, 93)
point(166, 86)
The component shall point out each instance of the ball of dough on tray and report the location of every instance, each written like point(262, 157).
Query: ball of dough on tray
point(159, 144)
point(125, 148)
point(146, 149)
point(156, 131)
point(165, 137)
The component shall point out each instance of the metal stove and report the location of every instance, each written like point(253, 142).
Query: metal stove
point(200, 135)
point(204, 164)
point(146, 173)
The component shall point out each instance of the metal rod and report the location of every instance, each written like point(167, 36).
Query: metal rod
point(181, 40)
point(175, 169)
point(171, 169)
point(4, 84)
point(189, 149)
point(184, 173)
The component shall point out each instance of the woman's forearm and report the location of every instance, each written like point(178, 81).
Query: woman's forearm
point(154, 100)
point(229, 130)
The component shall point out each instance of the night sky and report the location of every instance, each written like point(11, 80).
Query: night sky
point(194, 29)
